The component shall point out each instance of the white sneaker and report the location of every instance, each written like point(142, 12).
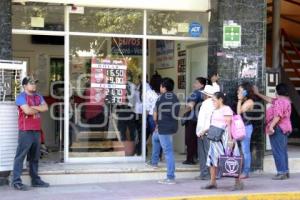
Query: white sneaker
point(167, 181)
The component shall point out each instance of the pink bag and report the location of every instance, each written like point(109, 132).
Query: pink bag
point(238, 131)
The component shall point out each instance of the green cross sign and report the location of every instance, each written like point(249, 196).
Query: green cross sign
point(231, 36)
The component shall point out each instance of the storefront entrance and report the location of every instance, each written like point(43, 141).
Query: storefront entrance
point(93, 67)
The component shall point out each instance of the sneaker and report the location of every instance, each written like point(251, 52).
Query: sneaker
point(44, 150)
point(149, 164)
point(167, 181)
point(280, 177)
point(20, 186)
point(39, 183)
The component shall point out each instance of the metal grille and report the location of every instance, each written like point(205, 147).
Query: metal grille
point(10, 84)
point(11, 74)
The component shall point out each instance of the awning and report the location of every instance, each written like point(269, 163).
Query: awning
point(175, 5)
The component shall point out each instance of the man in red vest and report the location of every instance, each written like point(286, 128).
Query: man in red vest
point(30, 105)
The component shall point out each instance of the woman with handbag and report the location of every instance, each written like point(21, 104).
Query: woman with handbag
point(244, 107)
point(221, 140)
point(278, 127)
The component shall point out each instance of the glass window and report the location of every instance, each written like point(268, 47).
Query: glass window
point(108, 20)
point(105, 76)
point(38, 17)
point(175, 23)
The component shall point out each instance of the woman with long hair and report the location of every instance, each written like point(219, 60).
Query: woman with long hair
point(244, 107)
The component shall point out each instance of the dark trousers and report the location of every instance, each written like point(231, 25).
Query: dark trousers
point(28, 144)
point(191, 140)
point(203, 147)
point(138, 146)
point(127, 121)
point(99, 122)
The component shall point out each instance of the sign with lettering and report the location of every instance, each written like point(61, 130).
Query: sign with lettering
point(108, 80)
point(128, 46)
point(164, 54)
point(195, 29)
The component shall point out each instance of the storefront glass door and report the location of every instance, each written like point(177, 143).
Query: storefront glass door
point(106, 95)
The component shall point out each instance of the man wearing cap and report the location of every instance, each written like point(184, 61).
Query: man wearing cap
point(204, 118)
point(30, 105)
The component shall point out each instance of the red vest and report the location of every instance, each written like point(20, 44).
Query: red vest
point(30, 122)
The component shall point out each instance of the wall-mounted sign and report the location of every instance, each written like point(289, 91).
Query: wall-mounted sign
point(183, 27)
point(108, 80)
point(128, 46)
point(195, 29)
point(37, 22)
point(164, 54)
point(231, 35)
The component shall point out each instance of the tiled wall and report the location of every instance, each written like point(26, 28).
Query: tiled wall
point(251, 15)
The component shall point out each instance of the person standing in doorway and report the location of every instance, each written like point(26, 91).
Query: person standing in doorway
point(30, 105)
point(278, 127)
point(244, 107)
point(166, 118)
point(191, 112)
point(204, 120)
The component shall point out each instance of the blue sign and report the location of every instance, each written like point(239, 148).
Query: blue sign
point(195, 29)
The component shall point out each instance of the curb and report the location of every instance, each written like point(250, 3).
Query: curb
point(253, 196)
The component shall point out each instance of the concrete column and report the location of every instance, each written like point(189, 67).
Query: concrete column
point(276, 34)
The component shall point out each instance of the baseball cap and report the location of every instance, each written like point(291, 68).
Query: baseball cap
point(29, 79)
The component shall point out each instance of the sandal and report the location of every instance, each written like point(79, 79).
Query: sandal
point(210, 186)
point(243, 176)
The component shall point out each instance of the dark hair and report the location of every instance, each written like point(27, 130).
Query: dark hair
point(213, 74)
point(282, 89)
point(248, 87)
point(167, 83)
point(155, 82)
point(201, 80)
point(220, 95)
point(208, 81)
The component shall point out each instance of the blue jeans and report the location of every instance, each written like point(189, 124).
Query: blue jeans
point(155, 148)
point(166, 142)
point(28, 144)
point(279, 142)
point(245, 143)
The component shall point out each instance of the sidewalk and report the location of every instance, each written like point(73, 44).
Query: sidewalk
point(184, 189)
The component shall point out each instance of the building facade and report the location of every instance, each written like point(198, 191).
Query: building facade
point(87, 54)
